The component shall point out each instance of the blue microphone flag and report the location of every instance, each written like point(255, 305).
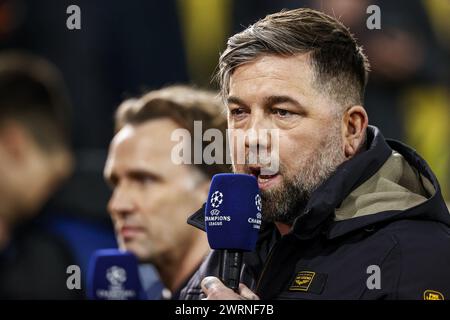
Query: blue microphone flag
point(233, 212)
point(113, 275)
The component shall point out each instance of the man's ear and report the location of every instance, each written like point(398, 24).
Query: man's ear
point(14, 140)
point(204, 187)
point(355, 122)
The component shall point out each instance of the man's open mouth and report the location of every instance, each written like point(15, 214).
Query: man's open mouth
point(265, 180)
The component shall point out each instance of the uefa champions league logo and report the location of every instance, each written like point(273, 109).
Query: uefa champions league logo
point(216, 199)
point(256, 222)
point(116, 276)
point(215, 219)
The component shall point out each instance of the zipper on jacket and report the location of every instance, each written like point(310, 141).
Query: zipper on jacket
point(269, 258)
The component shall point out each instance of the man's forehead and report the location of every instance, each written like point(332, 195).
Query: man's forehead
point(146, 143)
point(293, 71)
point(154, 133)
point(274, 64)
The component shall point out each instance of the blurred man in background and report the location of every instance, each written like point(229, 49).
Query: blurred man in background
point(152, 196)
point(34, 159)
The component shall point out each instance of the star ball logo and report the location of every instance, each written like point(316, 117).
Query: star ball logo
point(216, 199)
point(116, 275)
point(258, 202)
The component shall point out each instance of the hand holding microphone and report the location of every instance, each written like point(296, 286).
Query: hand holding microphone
point(216, 290)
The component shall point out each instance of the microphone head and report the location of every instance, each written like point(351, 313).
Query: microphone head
point(233, 212)
point(113, 275)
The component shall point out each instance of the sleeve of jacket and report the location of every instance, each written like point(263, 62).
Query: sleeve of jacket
point(209, 267)
point(424, 264)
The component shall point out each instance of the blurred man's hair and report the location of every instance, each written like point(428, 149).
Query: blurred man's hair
point(339, 64)
point(183, 105)
point(32, 92)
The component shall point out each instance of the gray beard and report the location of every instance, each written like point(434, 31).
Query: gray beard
point(287, 201)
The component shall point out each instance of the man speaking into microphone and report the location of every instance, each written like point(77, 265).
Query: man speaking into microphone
point(348, 215)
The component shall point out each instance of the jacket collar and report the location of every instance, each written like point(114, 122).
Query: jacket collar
point(348, 176)
point(432, 209)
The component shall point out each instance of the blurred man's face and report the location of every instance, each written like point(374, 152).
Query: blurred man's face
point(152, 197)
point(30, 174)
point(43, 175)
point(277, 93)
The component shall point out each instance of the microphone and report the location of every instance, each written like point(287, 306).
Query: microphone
point(114, 275)
point(232, 221)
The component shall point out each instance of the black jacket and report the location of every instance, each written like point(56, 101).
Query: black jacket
point(378, 228)
point(34, 266)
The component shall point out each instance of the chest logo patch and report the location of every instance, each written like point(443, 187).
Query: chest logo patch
point(302, 281)
point(432, 295)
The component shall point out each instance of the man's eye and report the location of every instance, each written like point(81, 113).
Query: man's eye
point(281, 112)
point(146, 180)
point(112, 182)
point(238, 113)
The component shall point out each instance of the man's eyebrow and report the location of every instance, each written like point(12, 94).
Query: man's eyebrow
point(274, 100)
point(269, 102)
point(236, 100)
point(139, 174)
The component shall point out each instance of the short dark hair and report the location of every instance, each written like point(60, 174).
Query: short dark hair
point(183, 105)
point(32, 92)
point(339, 64)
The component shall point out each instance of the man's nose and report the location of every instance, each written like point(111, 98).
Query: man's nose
point(121, 201)
point(258, 134)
